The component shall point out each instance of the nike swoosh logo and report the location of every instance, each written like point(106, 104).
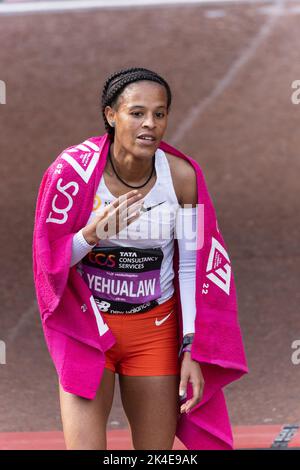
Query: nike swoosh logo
point(145, 209)
point(159, 322)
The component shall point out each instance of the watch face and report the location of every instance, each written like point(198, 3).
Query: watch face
point(188, 340)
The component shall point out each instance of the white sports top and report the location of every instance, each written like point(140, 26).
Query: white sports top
point(132, 271)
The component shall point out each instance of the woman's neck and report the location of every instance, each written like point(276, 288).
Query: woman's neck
point(130, 168)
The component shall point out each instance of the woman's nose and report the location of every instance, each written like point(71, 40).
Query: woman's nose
point(149, 121)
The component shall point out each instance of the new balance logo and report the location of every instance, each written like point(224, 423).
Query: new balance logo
point(159, 322)
point(221, 275)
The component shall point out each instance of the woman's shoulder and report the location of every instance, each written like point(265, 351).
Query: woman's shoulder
point(76, 160)
point(184, 178)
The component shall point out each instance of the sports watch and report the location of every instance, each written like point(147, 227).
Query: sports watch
point(186, 340)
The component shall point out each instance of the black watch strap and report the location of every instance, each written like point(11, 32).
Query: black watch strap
point(186, 340)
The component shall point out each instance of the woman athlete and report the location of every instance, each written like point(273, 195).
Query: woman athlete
point(139, 183)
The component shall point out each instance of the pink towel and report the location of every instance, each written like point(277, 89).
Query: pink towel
point(74, 329)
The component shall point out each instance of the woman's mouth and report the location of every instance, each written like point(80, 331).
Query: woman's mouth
point(146, 140)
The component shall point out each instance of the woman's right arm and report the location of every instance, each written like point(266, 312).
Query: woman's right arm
point(82, 244)
point(121, 210)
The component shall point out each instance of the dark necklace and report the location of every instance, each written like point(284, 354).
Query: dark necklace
point(129, 185)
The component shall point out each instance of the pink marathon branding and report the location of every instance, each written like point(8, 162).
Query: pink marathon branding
point(123, 279)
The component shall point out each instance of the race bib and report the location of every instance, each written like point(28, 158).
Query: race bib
point(123, 279)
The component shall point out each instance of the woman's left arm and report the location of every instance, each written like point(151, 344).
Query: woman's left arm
point(190, 369)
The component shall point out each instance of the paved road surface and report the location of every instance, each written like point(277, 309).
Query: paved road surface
point(230, 68)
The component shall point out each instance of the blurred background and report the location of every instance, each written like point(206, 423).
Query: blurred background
point(230, 65)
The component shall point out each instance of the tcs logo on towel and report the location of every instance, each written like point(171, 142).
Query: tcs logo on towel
point(62, 202)
point(83, 159)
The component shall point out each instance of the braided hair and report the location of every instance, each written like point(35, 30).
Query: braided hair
point(116, 82)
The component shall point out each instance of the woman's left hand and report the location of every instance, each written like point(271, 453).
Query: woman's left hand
point(191, 372)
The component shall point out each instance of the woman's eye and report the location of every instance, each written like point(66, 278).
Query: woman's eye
point(138, 112)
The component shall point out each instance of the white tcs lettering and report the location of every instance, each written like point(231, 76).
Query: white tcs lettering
point(65, 210)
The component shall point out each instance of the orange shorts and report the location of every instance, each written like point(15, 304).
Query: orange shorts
point(146, 343)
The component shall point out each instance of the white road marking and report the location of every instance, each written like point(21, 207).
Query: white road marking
point(43, 7)
point(214, 14)
point(272, 10)
point(199, 108)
